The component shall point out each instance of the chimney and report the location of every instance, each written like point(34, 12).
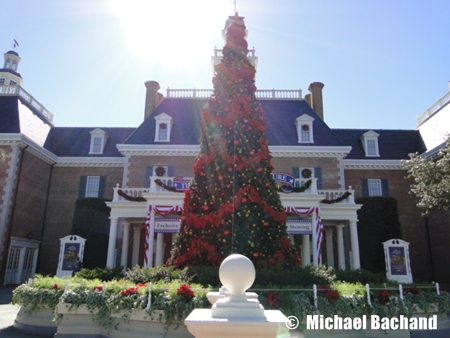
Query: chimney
point(152, 98)
point(316, 101)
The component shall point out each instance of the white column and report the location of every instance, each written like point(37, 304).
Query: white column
point(136, 245)
point(20, 265)
point(330, 253)
point(340, 246)
point(314, 239)
point(306, 252)
point(355, 245)
point(112, 242)
point(125, 240)
point(159, 259)
point(151, 240)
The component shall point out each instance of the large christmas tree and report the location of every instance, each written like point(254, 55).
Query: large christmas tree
point(232, 205)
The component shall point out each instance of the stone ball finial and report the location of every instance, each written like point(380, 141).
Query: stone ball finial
point(237, 274)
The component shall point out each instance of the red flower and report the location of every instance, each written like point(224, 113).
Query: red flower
point(332, 296)
point(274, 299)
point(185, 291)
point(383, 296)
point(55, 286)
point(129, 291)
point(98, 288)
point(414, 290)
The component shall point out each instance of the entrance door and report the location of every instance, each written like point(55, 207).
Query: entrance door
point(22, 260)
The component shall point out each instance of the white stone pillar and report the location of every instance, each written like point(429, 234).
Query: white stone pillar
point(20, 265)
point(306, 252)
point(125, 240)
point(112, 242)
point(136, 245)
point(330, 253)
point(314, 240)
point(340, 246)
point(159, 259)
point(355, 245)
point(151, 240)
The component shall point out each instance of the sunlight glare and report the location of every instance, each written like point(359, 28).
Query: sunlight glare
point(173, 33)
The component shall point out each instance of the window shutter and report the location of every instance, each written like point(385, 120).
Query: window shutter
point(148, 173)
point(102, 187)
point(318, 175)
point(171, 171)
point(82, 187)
point(384, 187)
point(365, 187)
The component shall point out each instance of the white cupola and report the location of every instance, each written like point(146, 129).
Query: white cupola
point(9, 75)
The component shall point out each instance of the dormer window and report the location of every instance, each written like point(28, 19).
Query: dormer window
point(370, 144)
point(98, 141)
point(304, 126)
point(163, 128)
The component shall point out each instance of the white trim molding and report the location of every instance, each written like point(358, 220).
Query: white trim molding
point(158, 150)
point(306, 151)
point(373, 164)
point(90, 162)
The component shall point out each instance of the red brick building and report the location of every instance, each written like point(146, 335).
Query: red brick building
point(44, 169)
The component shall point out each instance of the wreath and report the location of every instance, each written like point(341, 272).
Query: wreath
point(305, 127)
point(306, 173)
point(160, 171)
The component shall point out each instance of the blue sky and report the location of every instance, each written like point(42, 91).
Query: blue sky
point(382, 62)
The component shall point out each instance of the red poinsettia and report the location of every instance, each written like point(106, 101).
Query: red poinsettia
point(55, 286)
point(414, 290)
point(129, 291)
point(332, 296)
point(274, 299)
point(98, 288)
point(383, 296)
point(185, 291)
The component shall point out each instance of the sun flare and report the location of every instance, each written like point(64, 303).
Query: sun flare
point(173, 33)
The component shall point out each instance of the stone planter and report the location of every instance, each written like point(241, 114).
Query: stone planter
point(38, 322)
point(78, 323)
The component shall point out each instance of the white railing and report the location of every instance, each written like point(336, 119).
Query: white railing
point(434, 108)
point(332, 195)
point(130, 193)
point(24, 95)
point(261, 94)
point(136, 193)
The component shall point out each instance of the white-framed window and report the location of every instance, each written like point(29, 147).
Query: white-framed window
point(2, 82)
point(14, 65)
point(370, 144)
point(374, 187)
point(92, 186)
point(12, 83)
point(98, 141)
point(304, 126)
point(163, 128)
point(7, 63)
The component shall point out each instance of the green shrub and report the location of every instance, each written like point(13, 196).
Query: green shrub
point(104, 274)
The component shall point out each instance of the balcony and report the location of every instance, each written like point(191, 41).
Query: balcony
point(28, 99)
point(179, 184)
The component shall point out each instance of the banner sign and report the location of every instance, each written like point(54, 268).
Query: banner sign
point(167, 225)
point(181, 184)
point(71, 254)
point(299, 226)
point(397, 260)
point(286, 181)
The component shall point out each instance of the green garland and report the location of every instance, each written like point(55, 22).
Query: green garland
point(337, 200)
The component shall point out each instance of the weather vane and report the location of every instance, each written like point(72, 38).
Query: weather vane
point(15, 44)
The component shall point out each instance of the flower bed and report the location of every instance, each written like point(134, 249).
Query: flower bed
point(114, 308)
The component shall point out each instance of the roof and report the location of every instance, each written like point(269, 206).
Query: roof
point(76, 142)
point(9, 115)
point(392, 144)
point(280, 116)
